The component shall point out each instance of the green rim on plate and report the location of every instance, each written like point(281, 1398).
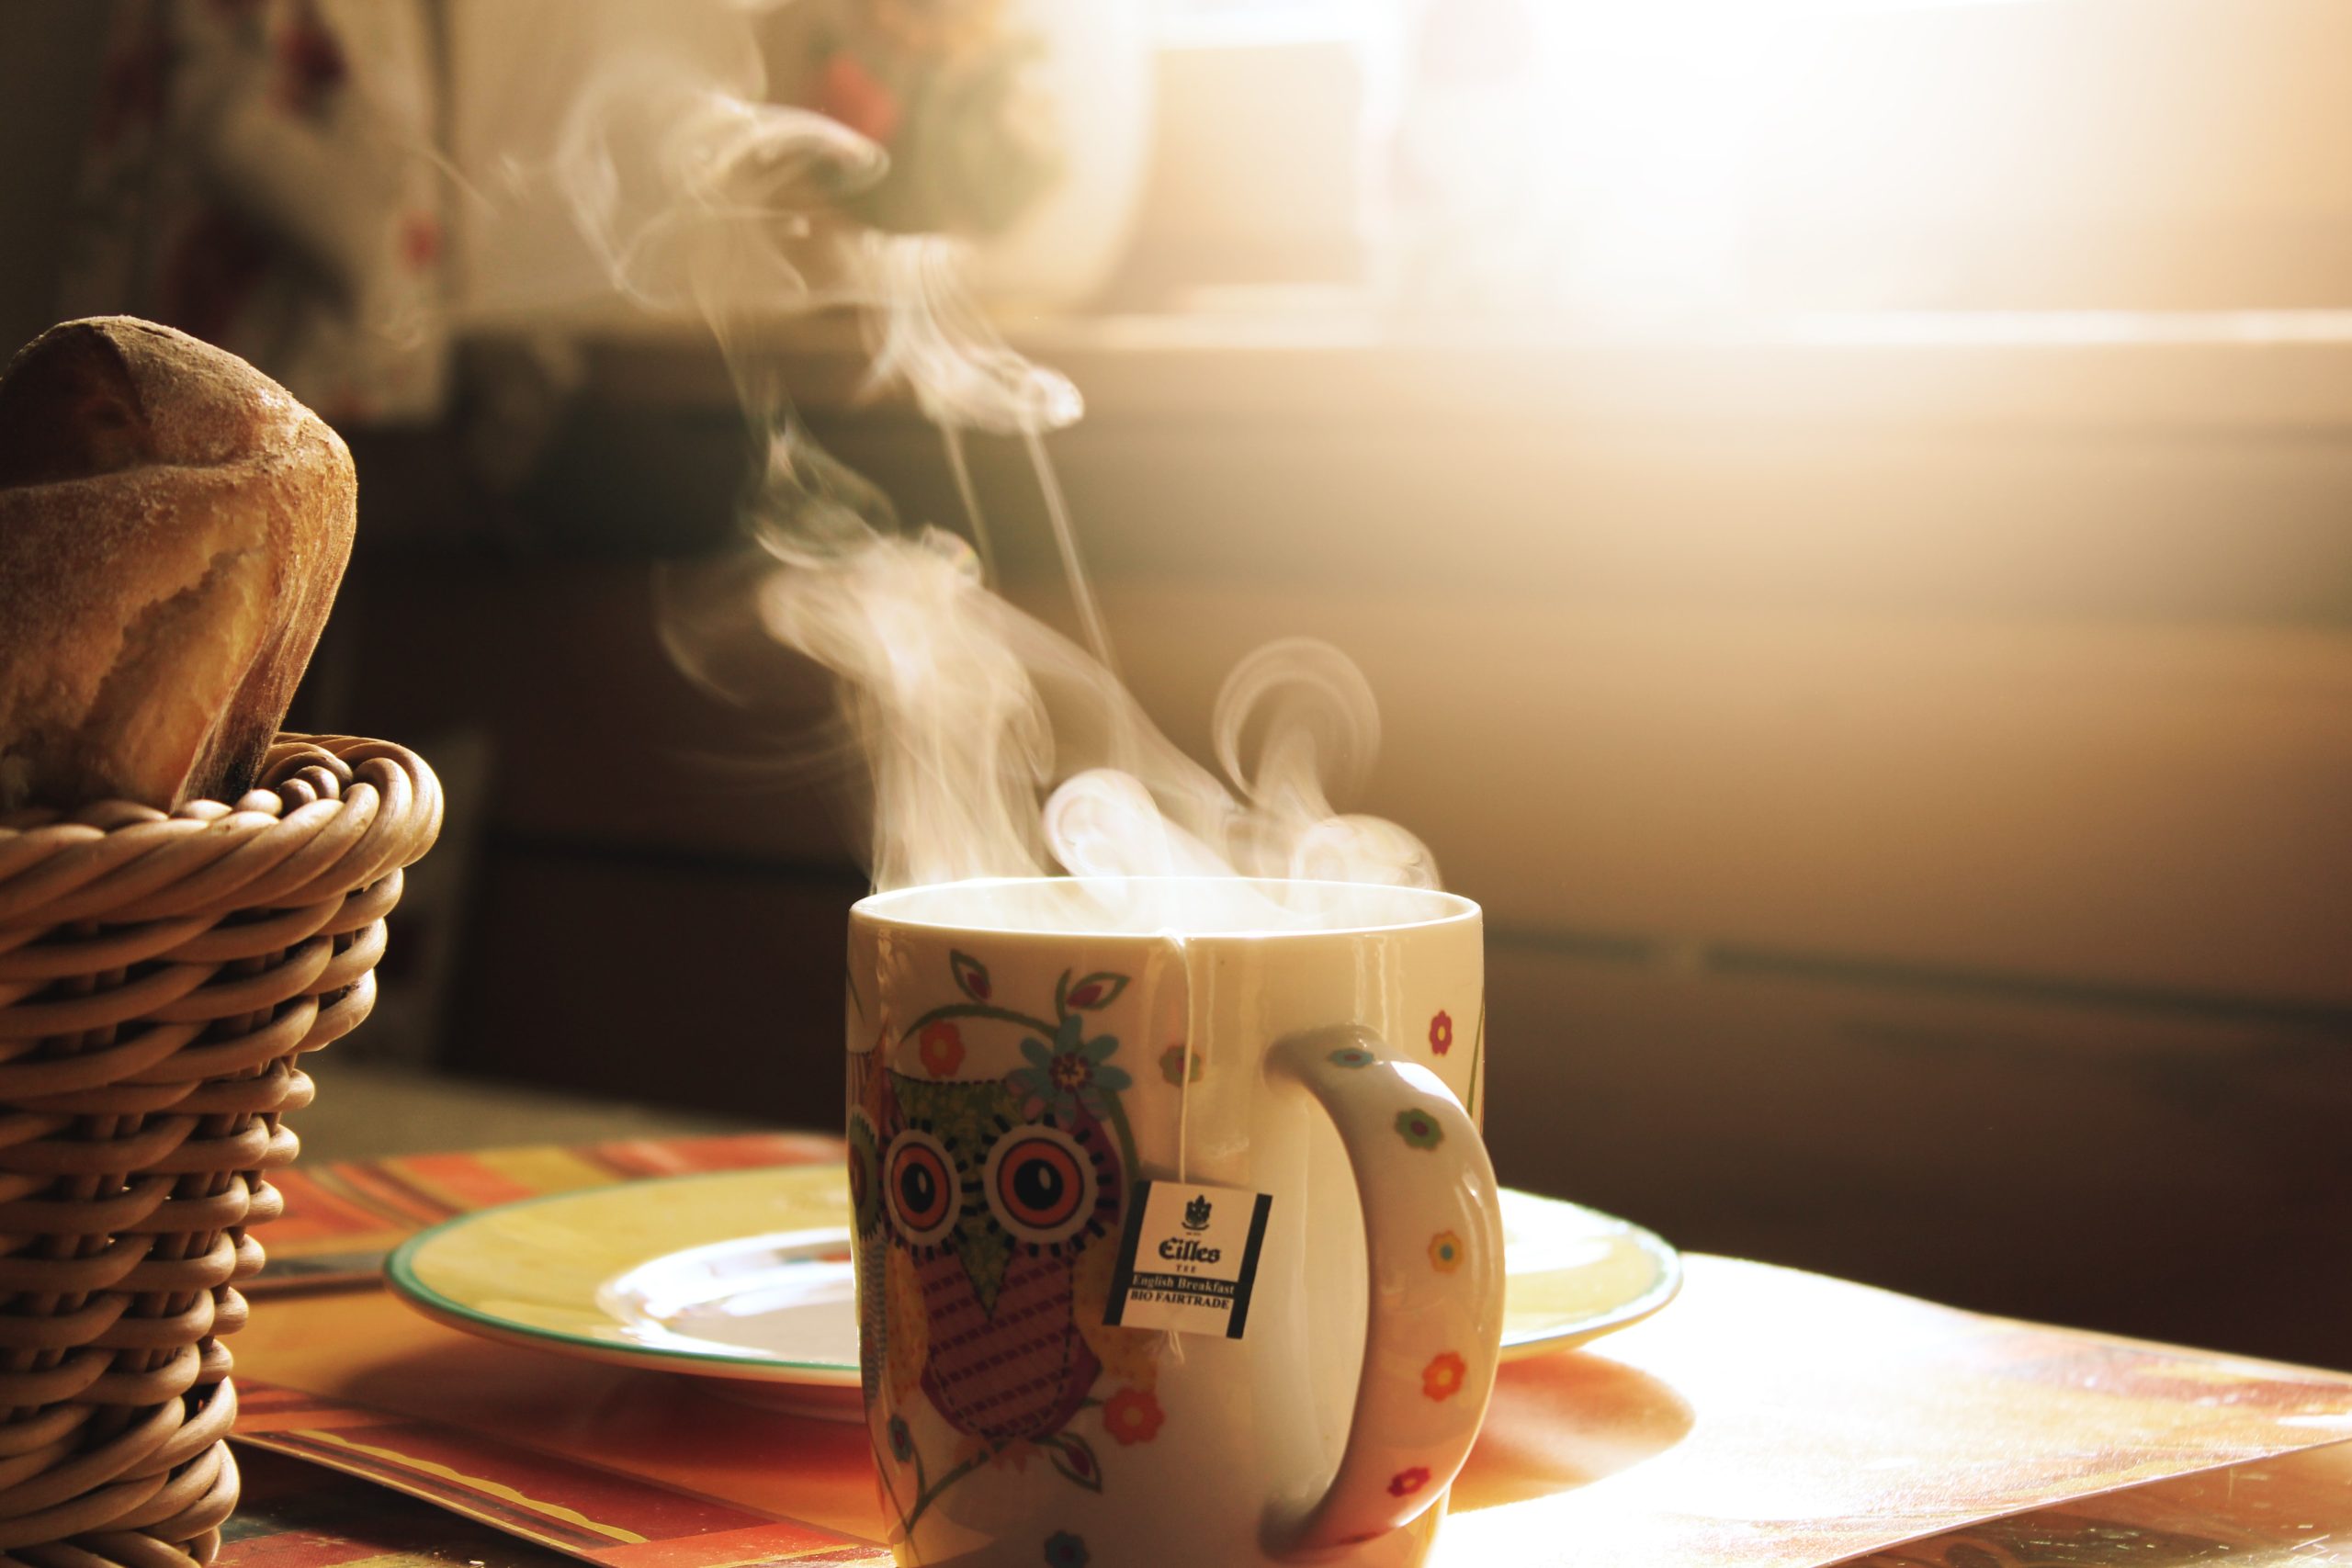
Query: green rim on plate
point(698, 1356)
point(547, 1272)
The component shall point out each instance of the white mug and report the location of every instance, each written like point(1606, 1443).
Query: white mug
point(1023, 1053)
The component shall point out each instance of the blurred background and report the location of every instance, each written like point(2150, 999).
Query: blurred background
point(1846, 510)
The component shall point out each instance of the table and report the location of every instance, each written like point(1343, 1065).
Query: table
point(1767, 1417)
point(2285, 1514)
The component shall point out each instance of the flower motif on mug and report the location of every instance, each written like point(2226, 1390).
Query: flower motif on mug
point(1405, 1483)
point(902, 1439)
point(1443, 1378)
point(1064, 1549)
point(1441, 1034)
point(1132, 1415)
point(1445, 1252)
point(1071, 1074)
point(1420, 1129)
point(1350, 1056)
point(941, 1046)
point(1180, 1063)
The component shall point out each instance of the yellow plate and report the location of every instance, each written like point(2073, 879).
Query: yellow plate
point(745, 1275)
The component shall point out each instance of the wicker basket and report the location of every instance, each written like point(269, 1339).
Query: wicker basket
point(159, 975)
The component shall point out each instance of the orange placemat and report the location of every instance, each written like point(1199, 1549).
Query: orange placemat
point(342, 1219)
point(1767, 1418)
point(599, 1517)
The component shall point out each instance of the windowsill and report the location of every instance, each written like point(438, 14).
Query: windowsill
point(2213, 373)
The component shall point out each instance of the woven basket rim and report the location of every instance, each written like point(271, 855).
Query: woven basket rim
point(329, 813)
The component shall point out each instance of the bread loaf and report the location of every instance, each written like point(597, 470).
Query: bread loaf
point(172, 529)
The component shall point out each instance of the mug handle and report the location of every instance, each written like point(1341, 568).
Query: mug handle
point(1433, 1234)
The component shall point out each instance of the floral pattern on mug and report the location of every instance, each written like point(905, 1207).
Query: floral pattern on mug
point(1443, 1377)
point(1064, 1549)
point(1132, 1415)
point(1405, 1483)
point(941, 1046)
point(1073, 1072)
point(1445, 1252)
point(1420, 1129)
point(1180, 1064)
point(1442, 1033)
point(1350, 1056)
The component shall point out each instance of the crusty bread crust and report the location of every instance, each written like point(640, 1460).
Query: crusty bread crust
point(172, 529)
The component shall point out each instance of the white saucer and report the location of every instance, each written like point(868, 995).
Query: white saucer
point(745, 1275)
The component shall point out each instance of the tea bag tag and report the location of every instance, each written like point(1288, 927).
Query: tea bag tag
point(1188, 1260)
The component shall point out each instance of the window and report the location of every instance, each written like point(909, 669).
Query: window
point(1676, 156)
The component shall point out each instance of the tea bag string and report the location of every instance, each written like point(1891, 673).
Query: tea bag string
point(1185, 1061)
point(1189, 1062)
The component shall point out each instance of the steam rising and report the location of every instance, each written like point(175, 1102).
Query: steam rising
point(994, 746)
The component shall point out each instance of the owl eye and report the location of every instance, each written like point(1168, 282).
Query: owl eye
point(920, 1183)
point(1041, 1185)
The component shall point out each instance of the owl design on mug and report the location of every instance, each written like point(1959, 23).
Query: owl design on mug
point(984, 1208)
point(997, 1195)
